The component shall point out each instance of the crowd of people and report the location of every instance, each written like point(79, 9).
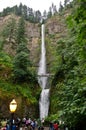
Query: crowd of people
point(18, 124)
point(53, 126)
point(27, 124)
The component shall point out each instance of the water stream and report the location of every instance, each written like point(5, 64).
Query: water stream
point(44, 96)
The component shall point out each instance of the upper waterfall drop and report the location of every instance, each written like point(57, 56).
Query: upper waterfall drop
point(42, 63)
point(44, 96)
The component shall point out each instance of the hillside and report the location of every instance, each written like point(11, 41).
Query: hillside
point(23, 93)
point(32, 32)
point(66, 62)
point(54, 30)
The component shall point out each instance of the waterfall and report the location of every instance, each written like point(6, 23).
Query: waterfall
point(44, 96)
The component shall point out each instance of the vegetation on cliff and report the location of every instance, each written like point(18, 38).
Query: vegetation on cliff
point(17, 75)
point(66, 62)
point(68, 86)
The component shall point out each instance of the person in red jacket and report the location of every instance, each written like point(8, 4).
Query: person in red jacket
point(55, 125)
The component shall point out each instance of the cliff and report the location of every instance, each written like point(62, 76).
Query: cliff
point(55, 29)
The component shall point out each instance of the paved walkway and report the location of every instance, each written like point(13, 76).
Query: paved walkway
point(25, 128)
point(46, 128)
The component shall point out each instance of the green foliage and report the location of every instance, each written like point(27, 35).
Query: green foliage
point(61, 7)
point(5, 66)
point(23, 95)
point(23, 11)
point(20, 37)
point(49, 13)
point(52, 118)
point(9, 30)
point(22, 66)
point(21, 63)
point(21, 60)
point(1, 44)
point(69, 82)
point(17, 90)
point(5, 59)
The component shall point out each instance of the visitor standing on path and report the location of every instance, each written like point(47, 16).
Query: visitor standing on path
point(55, 125)
point(51, 127)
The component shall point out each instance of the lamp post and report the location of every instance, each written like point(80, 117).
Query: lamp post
point(13, 107)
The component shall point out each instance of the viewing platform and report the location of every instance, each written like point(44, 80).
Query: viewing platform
point(45, 75)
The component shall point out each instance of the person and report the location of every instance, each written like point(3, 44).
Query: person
point(51, 126)
point(18, 122)
point(24, 121)
point(7, 126)
point(33, 124)
point(55, 125)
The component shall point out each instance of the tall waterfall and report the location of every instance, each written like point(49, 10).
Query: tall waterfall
point(44, 96)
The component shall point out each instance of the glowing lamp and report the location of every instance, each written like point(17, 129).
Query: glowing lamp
point(13, 106)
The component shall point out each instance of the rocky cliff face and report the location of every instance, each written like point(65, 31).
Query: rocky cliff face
point(33, 38)
point(54, 28)
point(33, 34)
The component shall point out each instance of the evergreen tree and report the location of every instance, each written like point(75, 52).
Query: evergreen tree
point(66, 2)
point(31, 15)
point(37, 16)
point(20, 37)
point(54, 10)
point(45, 14)
point(21, 64)
point(60, 7)
point(24, 12)
point(21, 61)
point(49, 12)
point(20, 8)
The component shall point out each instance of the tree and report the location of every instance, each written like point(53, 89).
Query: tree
point(70, 78)
point(31, 15)
point(21, 60)
point(20, 9)
point(24, 12)
point(37, 16)
point(20, 37)
point(54, 10)
point(60, 7)
point(45, 14)
point(66, 2)
point(21, 63)
point(49, 12)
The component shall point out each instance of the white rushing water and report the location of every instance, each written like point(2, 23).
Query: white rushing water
point(44, 96)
